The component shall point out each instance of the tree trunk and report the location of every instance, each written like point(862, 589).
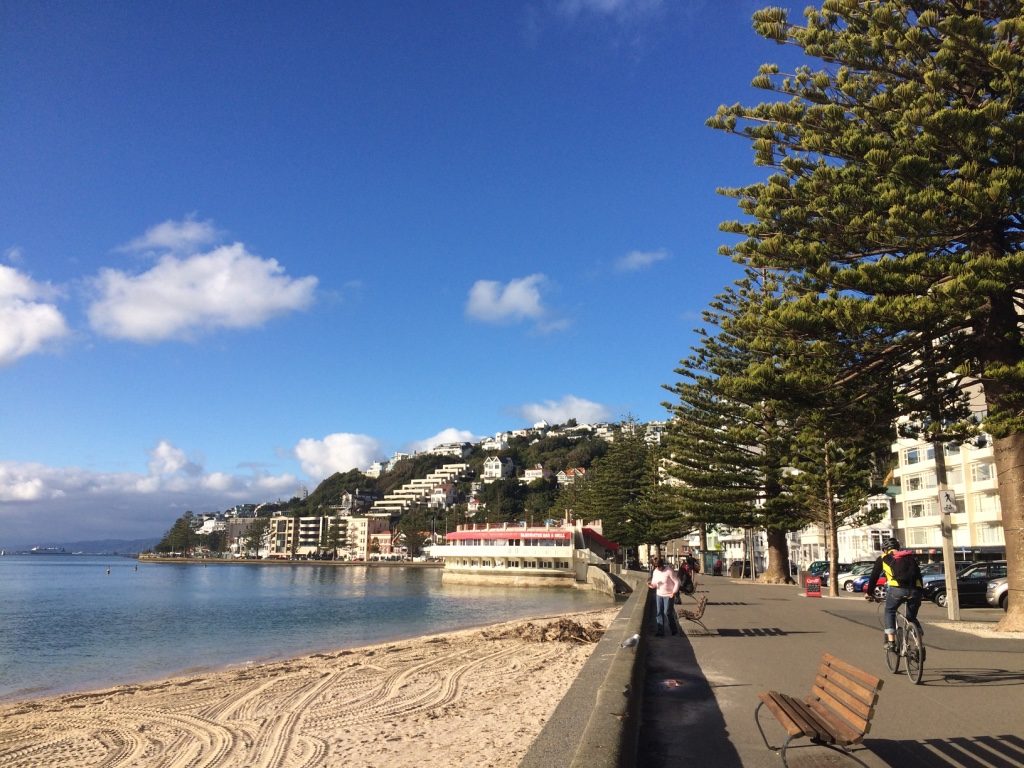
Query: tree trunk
point(1009, 458)
point(778, 558)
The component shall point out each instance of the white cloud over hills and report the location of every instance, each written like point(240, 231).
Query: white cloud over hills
point(338, 452)
point(449, 435)
point(78, 503)
point(560, 411)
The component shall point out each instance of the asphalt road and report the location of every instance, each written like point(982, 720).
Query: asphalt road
point(701, 689)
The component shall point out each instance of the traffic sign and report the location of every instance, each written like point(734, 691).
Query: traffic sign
point(947, 502)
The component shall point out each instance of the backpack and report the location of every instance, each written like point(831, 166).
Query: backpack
point(903, 565)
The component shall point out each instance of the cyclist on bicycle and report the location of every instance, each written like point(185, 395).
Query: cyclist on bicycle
point(903, 585)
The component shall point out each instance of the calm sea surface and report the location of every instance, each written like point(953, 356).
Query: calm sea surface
point(66, 624)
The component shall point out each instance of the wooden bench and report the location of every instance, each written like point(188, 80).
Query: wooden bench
point(836, 714)
point(696, 614)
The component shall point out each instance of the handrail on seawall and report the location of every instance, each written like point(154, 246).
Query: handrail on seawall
point(598, 721)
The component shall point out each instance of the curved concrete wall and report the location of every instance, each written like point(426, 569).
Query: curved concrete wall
point(597, 724)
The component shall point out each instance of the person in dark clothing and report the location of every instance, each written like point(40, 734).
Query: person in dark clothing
point(903, 585)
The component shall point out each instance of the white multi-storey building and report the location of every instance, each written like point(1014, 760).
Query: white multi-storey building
point(971, 475)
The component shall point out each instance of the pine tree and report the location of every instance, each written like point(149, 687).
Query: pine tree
point(730, 434)
point(898, 188)
point(619, 487)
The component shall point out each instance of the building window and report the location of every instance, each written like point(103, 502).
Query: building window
point(988, 535)
point(919, 537)
point(923, 508)
point(919, 482)
point(917, 455)
point(878, 537)
point(986, 503)
point(981, 472)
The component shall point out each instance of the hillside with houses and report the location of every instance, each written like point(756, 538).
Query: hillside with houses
point(399, 508)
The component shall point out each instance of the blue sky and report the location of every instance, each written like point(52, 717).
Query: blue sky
point(245, 245)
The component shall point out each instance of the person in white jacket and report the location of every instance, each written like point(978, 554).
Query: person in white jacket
point(665, 583)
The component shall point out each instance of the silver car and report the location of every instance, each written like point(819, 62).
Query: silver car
point(996, 592)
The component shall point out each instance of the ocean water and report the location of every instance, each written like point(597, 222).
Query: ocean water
point(66, 624)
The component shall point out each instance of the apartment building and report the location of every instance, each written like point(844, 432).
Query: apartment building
point(971, 475)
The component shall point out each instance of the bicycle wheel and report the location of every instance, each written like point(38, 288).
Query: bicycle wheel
point(915, 654)
point(892, 655)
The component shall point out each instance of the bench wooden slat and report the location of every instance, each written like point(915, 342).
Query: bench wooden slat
point(844, 732)
point(854, 710)
point(839, 679)
point(860, 703)
point(856, 693)
point(796, 717)
point(866, 679)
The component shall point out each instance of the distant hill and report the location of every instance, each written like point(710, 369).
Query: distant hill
point(105, 546)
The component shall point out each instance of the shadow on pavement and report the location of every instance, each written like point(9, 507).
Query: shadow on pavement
point(996, 751)
point(680, 722)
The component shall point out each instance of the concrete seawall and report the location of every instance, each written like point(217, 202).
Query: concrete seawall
point(597, 722)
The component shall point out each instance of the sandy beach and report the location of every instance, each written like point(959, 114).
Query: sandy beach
point(473, 697)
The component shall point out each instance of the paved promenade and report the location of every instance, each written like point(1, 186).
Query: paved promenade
point(701, 690)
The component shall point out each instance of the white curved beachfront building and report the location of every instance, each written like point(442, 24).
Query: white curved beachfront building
point(503, 553)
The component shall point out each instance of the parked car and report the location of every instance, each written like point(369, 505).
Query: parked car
point(996, 592)
point(937, 570)
point(970, 583)
point(860, 584)
point(845, 579)
point(739, 569)
point(825, 573)
point(817, 567)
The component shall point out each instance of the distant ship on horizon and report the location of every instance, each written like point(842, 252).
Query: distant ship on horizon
point(48, 551)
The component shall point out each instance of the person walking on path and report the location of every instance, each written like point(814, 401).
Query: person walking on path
point(665, 583)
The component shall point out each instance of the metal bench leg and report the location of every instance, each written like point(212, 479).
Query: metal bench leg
point(785, 745)
point(757, 721)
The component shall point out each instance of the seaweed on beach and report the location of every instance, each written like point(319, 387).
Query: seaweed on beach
point(557, 631)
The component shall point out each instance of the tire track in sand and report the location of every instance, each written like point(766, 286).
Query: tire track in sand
point(277, 736)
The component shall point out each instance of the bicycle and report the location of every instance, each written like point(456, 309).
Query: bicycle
point(908, 644)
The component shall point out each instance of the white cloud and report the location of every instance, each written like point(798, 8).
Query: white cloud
point(449, 435)
point(519, 299)
point(27, 322)
point(338, 452)
point(226, 287)
point(40, 503)
point(165, 459)
point(175, 236)
point(14, 255)
point(636, 260)
point(560, 411)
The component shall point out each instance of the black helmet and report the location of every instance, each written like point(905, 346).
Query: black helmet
point(892, 543)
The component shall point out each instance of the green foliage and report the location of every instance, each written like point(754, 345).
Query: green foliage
point(619, 488)
point(504, 501)
point(897, 184)
point(415, 529)
point(255, 535)
point(180, 537)
point(732, 428)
